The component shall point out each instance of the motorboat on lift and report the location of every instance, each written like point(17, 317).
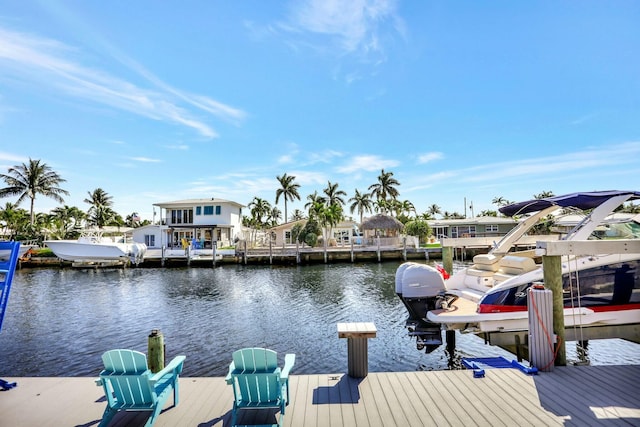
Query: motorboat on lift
point(93, 246)
point(601, 292)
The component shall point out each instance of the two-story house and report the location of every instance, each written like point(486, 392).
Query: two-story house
point(197, 222)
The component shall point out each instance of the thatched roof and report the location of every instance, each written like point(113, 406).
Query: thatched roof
point(381, 222)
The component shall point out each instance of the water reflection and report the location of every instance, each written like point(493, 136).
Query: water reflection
point(59, 321)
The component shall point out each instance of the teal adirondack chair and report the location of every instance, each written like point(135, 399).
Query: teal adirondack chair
point(257, 380)
point(129, 385)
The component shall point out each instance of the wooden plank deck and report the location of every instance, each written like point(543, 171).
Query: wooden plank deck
point(576, 396)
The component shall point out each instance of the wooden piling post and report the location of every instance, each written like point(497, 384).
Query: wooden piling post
point(155, 357)
point(552, 274)
point(404, 248)
point(447, 259)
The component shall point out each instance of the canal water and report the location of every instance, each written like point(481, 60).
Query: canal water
point(60, 320)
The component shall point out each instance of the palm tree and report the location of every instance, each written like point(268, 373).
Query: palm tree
point(362, 203)
point(274, 216)
point(14, 219)
point(288, 189)
point(543, 195)
point(297, 215)
point(434, 210)
point(67, 218)
point(100, 212)
point(29, 180)
point(385, 188)
point(312, 200)
point(334, 196)
point(500, 201)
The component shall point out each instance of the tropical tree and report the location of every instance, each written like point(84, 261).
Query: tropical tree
point(385, 189)
point(434, 210)
point(488, 212)
point(29, 180)
point(543, 195)
point(297, 215)
point(418, 228)
point(274, 216)
point(14, 221)
point(361, 203)
point(333, 195)
point(500, 201)
point(100, 212)
point(66, 219)
point(312, 201)
point(288, 190)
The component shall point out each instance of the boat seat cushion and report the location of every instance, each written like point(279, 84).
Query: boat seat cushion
point(486, 262)
point(480, 273)
point(511, 264)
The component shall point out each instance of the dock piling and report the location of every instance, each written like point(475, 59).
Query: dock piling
point(156, 351)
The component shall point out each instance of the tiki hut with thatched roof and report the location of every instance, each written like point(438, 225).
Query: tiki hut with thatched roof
point(388, 225)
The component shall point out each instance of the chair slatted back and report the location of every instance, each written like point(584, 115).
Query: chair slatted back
point(128, 374)
point(256, 376)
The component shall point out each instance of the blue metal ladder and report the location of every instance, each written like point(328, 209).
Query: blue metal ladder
point(7, 268)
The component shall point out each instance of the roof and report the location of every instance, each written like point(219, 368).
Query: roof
point(478, 220)
point(196, 202)
point(380, 221)
point(290, 224)
point(587, 200)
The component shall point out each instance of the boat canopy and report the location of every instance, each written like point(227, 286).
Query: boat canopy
point(587, 200)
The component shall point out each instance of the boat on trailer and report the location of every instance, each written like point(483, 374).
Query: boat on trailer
point(489, 298)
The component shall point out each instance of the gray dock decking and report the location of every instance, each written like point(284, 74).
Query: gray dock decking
point(571, 396)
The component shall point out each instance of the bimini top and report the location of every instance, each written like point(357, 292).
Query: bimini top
point(588, 200)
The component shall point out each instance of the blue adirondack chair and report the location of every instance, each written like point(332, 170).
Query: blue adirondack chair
point(129, 385)
point(258, 382)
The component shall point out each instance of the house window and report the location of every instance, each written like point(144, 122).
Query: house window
point(150, 240)
point(208, 210)
point(180, 216)
point(493, 228)
point(218, 209)
point(176, 216)
point(187, 216)
point(287, 238)
point(198, 210)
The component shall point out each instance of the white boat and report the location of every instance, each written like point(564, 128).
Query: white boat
point(92, 246)
point(602, 291)
point(22, 251)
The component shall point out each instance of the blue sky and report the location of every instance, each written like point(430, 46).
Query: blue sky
point(158, 101)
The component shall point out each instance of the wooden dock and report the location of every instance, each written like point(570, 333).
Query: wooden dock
point(569, 396)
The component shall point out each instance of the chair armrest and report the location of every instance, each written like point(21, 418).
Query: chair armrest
point(289, 361)
point(228, 379)
point(174, 365)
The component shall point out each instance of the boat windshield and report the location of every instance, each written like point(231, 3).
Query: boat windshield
point(621, 230)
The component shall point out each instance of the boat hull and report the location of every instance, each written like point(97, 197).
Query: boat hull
point(72, 250)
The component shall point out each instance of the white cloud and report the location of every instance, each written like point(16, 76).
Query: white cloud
point(145, 160)
point(354, 24)
point(429, 157)
point(367, 163)
point(45, 62)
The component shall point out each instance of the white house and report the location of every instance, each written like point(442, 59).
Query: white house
point(343, 233)
point(199, 222)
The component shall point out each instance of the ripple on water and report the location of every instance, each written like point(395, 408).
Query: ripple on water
point(60, 321)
